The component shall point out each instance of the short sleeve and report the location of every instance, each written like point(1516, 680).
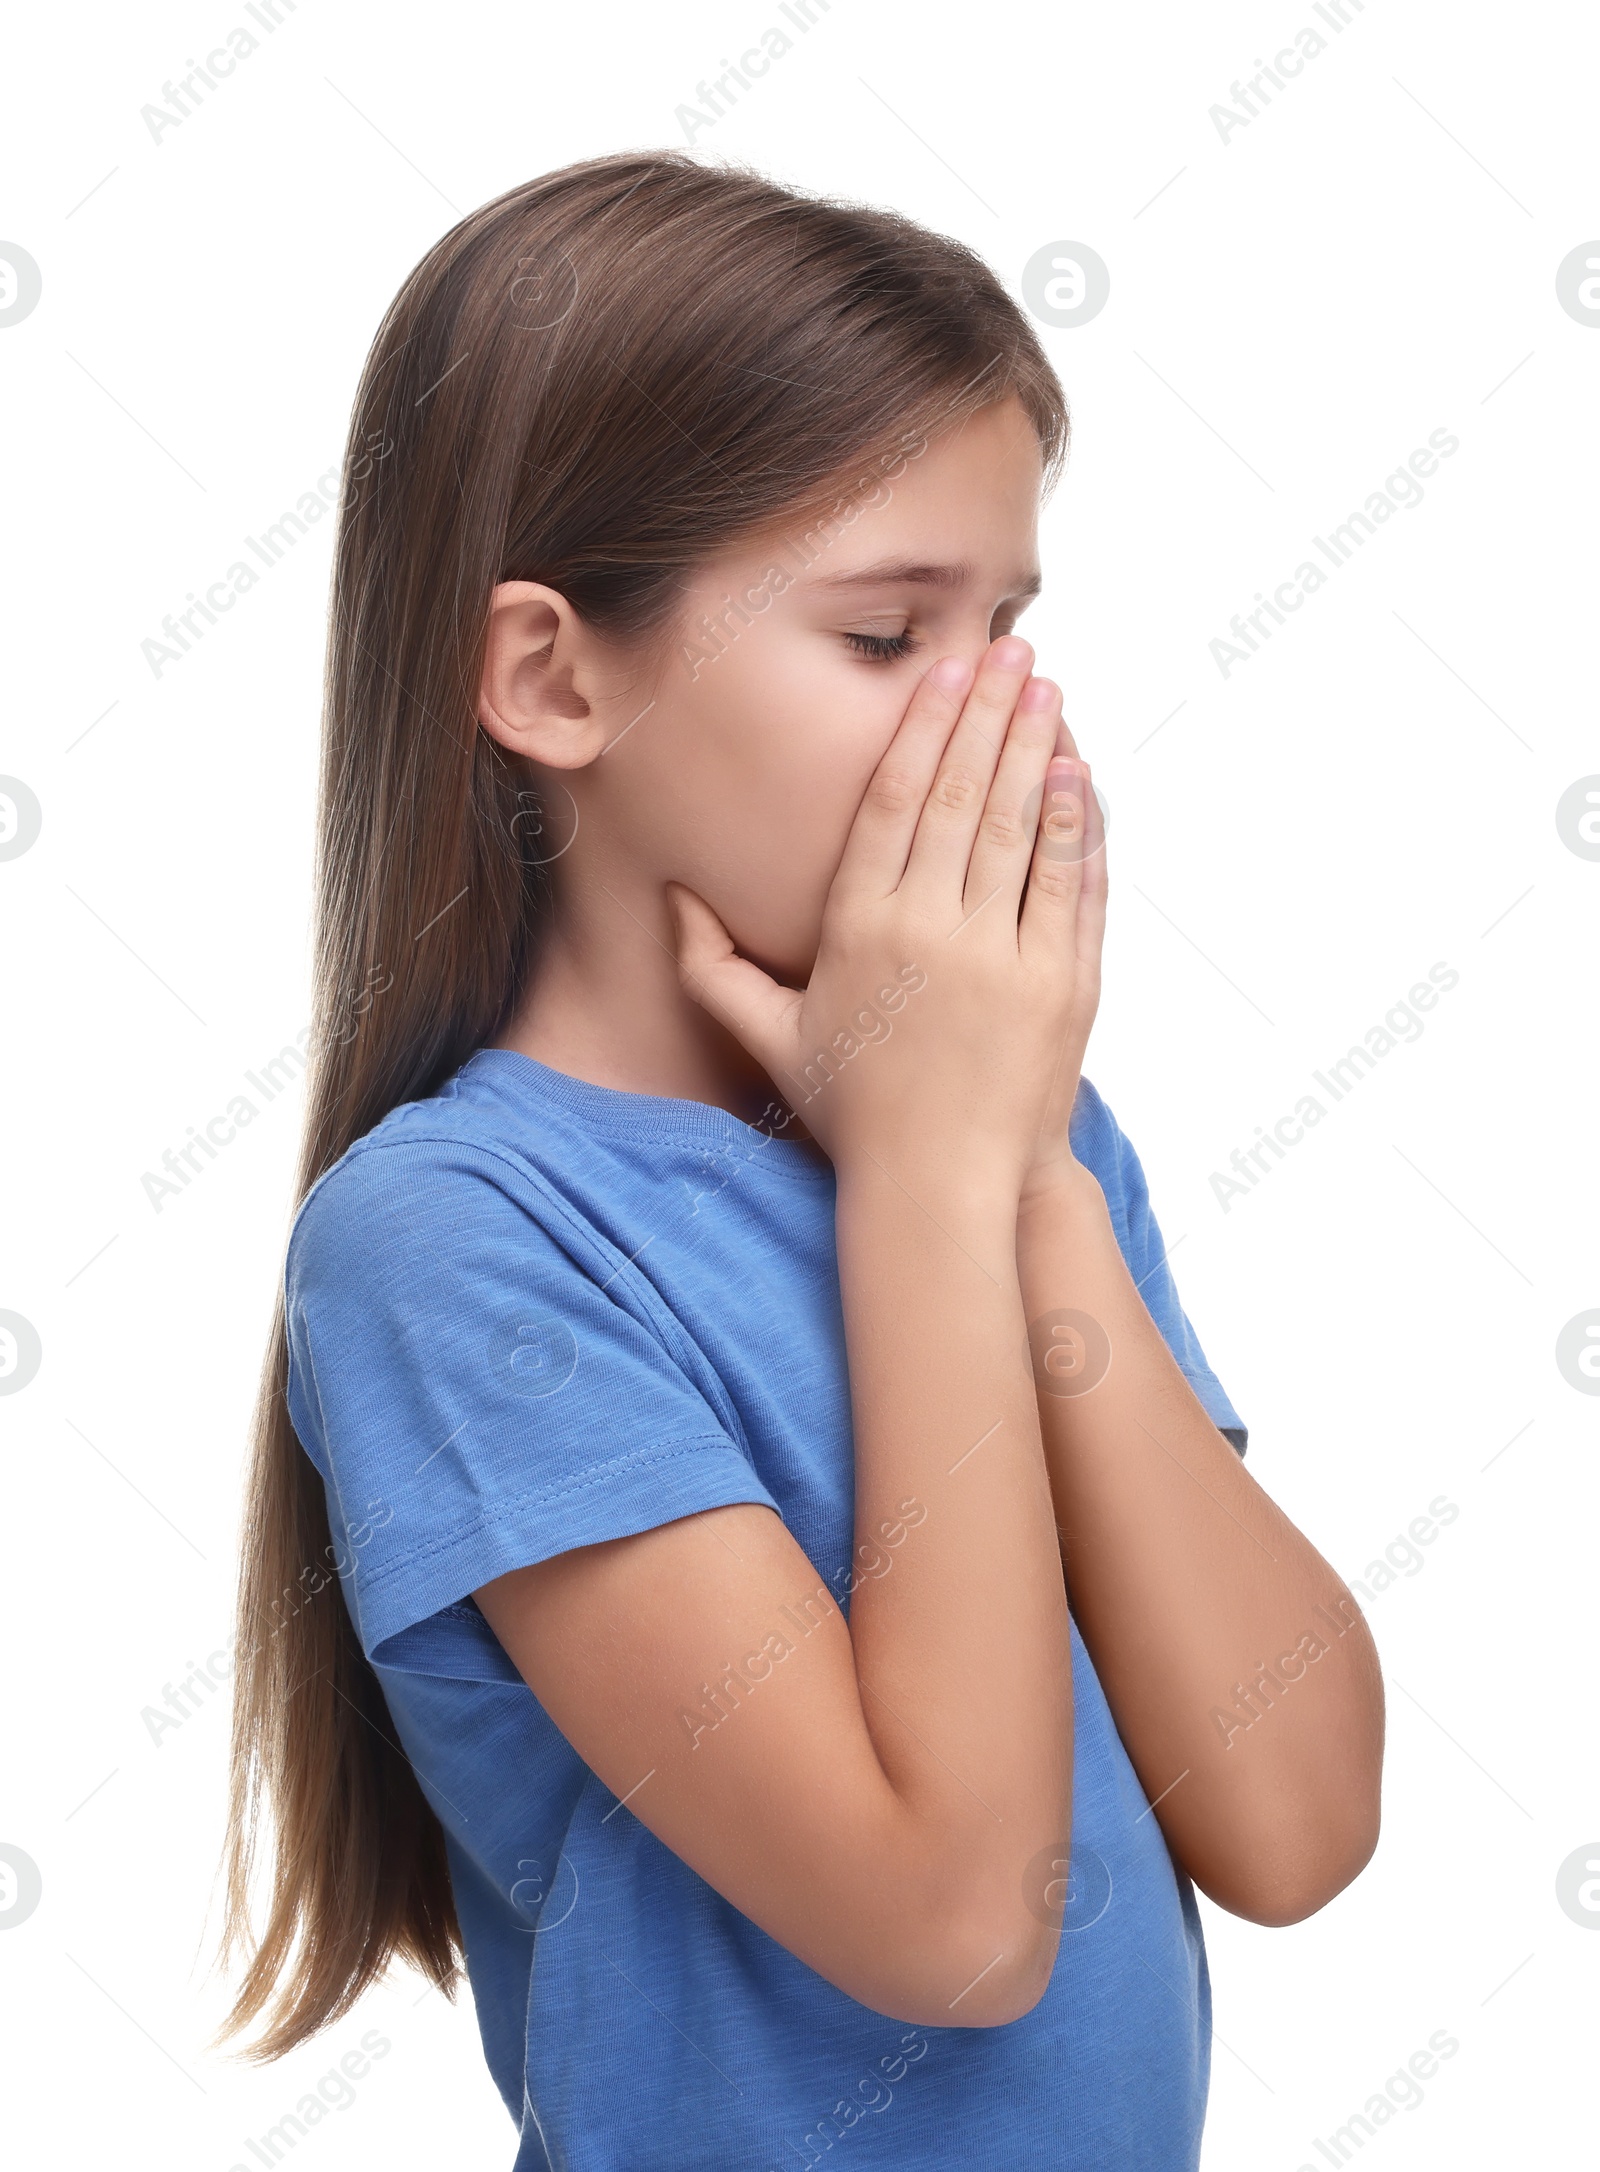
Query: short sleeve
point(1101, 1144)
point(483, 1382)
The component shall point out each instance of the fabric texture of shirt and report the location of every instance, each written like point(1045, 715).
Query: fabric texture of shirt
point(529, 1313)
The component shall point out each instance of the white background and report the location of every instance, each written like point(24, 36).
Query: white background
point(1292, 312)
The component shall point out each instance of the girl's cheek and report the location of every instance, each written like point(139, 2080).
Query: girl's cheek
point(822, 720)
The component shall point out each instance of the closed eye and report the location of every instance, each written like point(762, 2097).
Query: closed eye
point(883, 648)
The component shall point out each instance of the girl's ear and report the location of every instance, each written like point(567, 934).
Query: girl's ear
point(542, 693)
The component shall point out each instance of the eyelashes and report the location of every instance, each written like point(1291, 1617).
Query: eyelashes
point(889, 648)
point(883, 648)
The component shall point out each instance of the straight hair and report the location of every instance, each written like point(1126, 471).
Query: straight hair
point(595, 381)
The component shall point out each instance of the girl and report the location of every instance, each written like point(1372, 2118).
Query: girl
point(722, 1334)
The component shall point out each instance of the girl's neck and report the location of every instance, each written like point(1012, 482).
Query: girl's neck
point(604, 1005)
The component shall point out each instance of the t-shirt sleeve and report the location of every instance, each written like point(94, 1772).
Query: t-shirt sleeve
point(1102, 1145)
point(483, 1382)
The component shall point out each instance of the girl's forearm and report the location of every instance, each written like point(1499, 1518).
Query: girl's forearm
point(1241, 1675)
point(963, 1648)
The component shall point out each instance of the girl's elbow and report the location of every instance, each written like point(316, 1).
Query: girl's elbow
point(1002, 1954)
point(1013, 1989)
point(1279, 1885)
point(982, 1975)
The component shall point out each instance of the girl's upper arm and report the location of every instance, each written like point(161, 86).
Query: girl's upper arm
point(705, 1673)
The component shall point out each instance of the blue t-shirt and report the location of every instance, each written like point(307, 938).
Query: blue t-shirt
point(530, 1313)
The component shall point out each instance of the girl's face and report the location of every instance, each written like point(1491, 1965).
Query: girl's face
point(743, 775)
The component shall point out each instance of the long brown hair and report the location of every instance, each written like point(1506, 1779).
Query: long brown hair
point(595, 381)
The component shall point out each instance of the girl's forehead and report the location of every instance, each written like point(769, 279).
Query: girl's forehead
point(925, 548)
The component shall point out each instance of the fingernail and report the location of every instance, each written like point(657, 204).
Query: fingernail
point(951, 672)
point(1038, 694)
point(1011, 653)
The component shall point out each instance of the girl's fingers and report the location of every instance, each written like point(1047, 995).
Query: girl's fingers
point(757, 1010)
point(1003, 850)
point(1092, 895)
point(942, 847)
point(1062, 850)
point(874, 857)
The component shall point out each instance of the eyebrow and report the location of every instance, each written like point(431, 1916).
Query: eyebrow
point(921, 573)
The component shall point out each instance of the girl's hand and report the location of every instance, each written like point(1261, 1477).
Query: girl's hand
point(954, 985)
